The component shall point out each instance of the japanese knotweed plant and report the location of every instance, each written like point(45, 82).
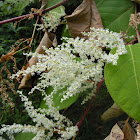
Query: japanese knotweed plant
point(60, 68)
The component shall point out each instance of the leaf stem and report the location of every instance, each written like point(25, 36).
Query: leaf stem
point(33, 32)
point(137, 29)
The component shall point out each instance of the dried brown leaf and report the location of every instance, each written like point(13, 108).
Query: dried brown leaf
point(113, 112)
point(86, 15)
point(48, 40)
point(107, 138)
point(115, 134)
point(129, 133)
point(7, 57)
point(138, 132)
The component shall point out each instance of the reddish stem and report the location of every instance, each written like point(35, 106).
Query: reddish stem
point(90, 104)
point(28, 15)
point(137, 29)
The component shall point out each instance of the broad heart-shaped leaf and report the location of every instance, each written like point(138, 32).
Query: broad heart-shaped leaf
point(57, 99)
point(24, 136)
point(115, 14)
point(123, 81)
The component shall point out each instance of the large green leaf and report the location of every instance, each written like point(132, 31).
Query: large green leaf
point(53, 2)
point(25, 136)
point(11, 6)
point(57, 99)
point(123, 81)
point(115, 14)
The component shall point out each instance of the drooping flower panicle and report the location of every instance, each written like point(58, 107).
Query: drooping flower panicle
point(61, 68)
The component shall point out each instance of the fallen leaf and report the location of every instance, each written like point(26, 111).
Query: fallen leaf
point(138, 132)
point(86, 15)
point(107, 138)
point(113, 112)
point(115, 134)
point(129, 133)
point(48, 40)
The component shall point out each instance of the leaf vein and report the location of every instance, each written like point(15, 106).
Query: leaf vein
point(120, 16)
point(135, 74)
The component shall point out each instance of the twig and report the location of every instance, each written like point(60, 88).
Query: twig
point(22, 48)
point(33, 32)
point(44, 25)
point(133, 41)
point(35, 14)
point(90, 104)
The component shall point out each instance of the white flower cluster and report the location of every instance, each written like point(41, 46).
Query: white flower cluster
point(59, 123)
point(63, 69)
point(134, 20)
point(52, 19)
point(102, 38)
point(80, 73)
point(16, 128)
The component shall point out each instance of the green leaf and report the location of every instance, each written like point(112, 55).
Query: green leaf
point(123, 81)
point(115, 14)
point(57, 99)
point(1, 3)
point(65, 32)
point(16, 5)
point(24, 136)
point(57, 10)
point(53, 2)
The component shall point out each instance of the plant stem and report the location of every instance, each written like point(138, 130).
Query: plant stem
point(138, 35)
point(33, 32)
point(35, 14)
point(90, 104)
point(137, 29)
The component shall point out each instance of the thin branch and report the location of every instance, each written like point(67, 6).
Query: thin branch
point(33, 32)
point(90, 104)
point(133, 41)
point(35, 14)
